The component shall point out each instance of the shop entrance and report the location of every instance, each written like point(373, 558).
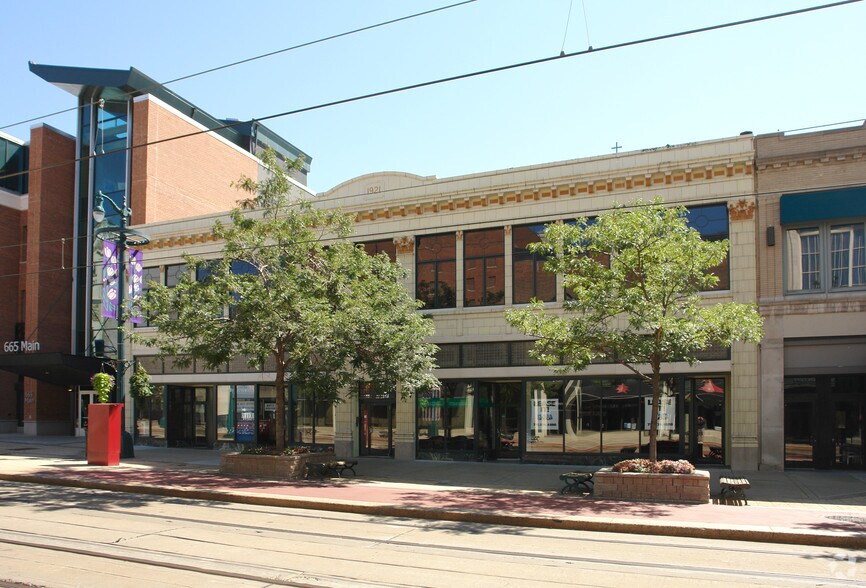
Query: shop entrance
point(190, 423)
point(376, 422)
point(498, 431)
point(85, 399)
point(824, 421)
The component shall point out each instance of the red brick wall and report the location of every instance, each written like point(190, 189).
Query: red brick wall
point(11, 221)
point(48, 284)
point(182, 178)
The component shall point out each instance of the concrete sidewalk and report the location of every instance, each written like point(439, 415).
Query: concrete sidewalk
point(803, 507)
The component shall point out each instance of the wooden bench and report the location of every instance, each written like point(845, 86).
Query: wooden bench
point(576, 482)
point(734, 488)
point(330, 468)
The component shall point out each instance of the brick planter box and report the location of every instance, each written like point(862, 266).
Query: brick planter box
point(655, 487)
point(284, 467)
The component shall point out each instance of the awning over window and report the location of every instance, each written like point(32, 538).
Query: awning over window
point(819, 206)
point(61, 369)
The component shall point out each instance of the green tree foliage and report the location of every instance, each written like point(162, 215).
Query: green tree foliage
point(635, 276)
point(327, 313)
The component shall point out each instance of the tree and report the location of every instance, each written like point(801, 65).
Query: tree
point(327, 313)
point(635, 276)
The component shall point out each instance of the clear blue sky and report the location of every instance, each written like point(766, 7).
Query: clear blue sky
point(795, 72)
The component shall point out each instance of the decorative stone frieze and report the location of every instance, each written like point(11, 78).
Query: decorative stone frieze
point(742, 210)
point(405, 244)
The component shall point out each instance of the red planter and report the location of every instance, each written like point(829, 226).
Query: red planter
point(103, 434)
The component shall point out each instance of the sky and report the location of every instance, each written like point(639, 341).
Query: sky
point(795, 72)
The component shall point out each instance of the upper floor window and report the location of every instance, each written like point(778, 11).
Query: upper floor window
point(384, 245)
point(825, 256)
point(173, 274)
point(712, 223)
point(436, 270)
point(484, 267)
point(530, 278)
point(149, 276)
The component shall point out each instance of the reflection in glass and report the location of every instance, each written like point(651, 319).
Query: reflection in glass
point(847, 256)
point(484, 267)
point(436, 271)
point(530, 278)
point(225, 423)
point(803, 259)
point(544, 417)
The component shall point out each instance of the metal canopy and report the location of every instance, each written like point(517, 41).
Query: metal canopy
point(62, 369)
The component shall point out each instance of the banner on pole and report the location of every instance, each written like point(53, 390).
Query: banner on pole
point(134, 285)
point(110, 267)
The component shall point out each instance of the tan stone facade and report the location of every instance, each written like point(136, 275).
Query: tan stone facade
point(813, 356)
point(402, 209)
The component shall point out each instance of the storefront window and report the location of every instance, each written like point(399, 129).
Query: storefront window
point(620, 414)
point(313, 419)
point(226, 415)
point(150, 420)
point(246, 413)
point(267, 415)
point(708, 411)
point(544, 417)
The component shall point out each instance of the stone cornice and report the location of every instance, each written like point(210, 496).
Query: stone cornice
point(179, 241)
point(840, 156)
point(635, 182)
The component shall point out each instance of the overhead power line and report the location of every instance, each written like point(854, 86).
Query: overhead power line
point(257, 57)
point(447, 80)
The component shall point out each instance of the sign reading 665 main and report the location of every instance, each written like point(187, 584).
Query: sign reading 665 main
point(20, 346)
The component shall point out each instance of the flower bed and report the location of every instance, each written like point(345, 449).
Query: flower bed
point(285, 467)
point(663, 481)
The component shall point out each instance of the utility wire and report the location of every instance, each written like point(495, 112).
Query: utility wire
point(565, 34)
point(446, 80)
point(529, 218)
point(255, 58)
point(497, 173)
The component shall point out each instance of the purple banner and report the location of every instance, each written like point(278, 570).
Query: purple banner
point(133, 290)
point(109, 279)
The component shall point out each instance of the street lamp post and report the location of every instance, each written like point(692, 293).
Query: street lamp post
point(124, 236)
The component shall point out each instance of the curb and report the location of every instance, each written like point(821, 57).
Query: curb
point(834, 540)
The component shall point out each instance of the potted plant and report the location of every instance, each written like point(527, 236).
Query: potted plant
point(139, 383)
point(103, 423)
point(102, 385)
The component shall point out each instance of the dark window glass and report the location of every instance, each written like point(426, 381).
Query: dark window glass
point(383, 246)
point(712, 223)
point(173, 274)
point(149, 276)
point(530, 278)
point(436, 272)
point(484, 267)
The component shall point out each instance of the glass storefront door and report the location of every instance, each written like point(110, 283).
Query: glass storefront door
point(497, 434)
point(377, 411)
point(85, 399)
point(824, 421)
point(189, 417)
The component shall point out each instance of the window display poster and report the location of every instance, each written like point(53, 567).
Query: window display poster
point(246, 425)
point(545, 415)
point(667, 413)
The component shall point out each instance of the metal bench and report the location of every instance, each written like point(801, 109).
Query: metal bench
point(734, 488)
point(330, 468)
point(576, 482)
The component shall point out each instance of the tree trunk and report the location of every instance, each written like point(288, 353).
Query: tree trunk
point(280, 385)
point(656, 403)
